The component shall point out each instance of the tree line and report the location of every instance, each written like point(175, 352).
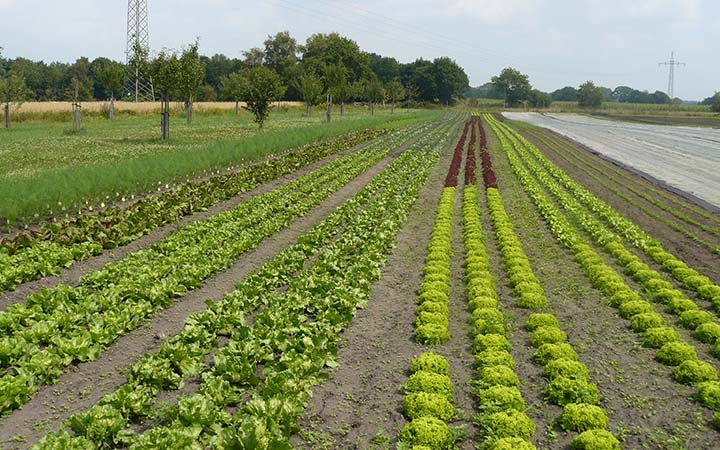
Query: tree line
point(437, 81)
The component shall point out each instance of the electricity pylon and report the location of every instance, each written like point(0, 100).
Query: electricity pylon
point(671, 76)
point(139, 84)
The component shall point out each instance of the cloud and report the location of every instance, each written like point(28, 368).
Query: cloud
point(682, 13)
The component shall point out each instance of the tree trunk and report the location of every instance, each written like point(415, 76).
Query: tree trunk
point(111, 113)
point(328, 114)
point(165, 119)
point(6, 108)
point(237, 108)
point(342, 109)
point(392, 108)
point(308, 109)
point(372, 108)
point(189, 111)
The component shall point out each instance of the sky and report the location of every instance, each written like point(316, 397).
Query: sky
point(556, 42)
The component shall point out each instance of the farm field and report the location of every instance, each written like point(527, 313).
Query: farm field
point(47, 170)
point(444, 281)
point(685, 158)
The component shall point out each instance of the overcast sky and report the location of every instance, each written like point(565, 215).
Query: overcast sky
point(556, 42)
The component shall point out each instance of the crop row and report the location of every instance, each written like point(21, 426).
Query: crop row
point(64, 324)
point(502, 419)
point(451, 180)
point(32, 255)
point(671, 348)
point(616, 176)
point(610, 183)
point(432, 313)
point(266, 370)
point(428, 404)
point(470, 160)
point(706, 328)
point(679, 270)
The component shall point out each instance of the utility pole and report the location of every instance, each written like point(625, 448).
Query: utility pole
point(671, 75)
point(139, 84)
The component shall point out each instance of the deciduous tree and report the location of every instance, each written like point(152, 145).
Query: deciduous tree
point(190, 78)
point(165, 70)
point(515, 86)
point(589, 95)
point(259, 88)
point(231, 88)
point(310, 87)
point(111, 75)
point(12, 90)
point(395, 92)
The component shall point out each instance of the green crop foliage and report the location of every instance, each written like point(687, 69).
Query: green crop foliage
point(537, 320)
point(659, 336)
point(566, 368)
point(512, 443)
point(497, 376)
point(482, 302)
point(629, 309)
point(582, 417)
point(423, 381)
point(430, 362)
point(645, 321)
point(562, 391)
point(489, 358)
point(548, 352)
point(595, 440)
point(695, 371)
point(500, 398)
point(694, 318)
point(709, 394)
point(507, 424)
point(432, 333)
point(679, 305)
point(547, 335)
point(708, 332)
point(482, 326)
point(427, 404)
point(490, 342)
point(428, 431)
point(674, 353)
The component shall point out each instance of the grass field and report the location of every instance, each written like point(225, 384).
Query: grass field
point(42, 163)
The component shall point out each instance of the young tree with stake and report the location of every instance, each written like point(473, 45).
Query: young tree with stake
point(111, 76)
point(165, 70)
point(190, 77)
point(311, 89)
point(12, 90)
point(231, 88)
point(395, 92)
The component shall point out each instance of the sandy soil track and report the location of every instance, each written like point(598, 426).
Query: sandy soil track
point(685, 158)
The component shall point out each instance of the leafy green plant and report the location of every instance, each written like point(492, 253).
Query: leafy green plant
point(548, 352)
point(695, 371)
point(566, 368)
point(595, 440)
point(632, 308)
point(490, 342)
point(497, 376)
point(500, 398)
point(562, 391)
point(709, 394)
point(537, 320)
point(423, 381)
point(659, 336)
point(512, 443)
point(428, 431)
point(582, 417)
point(694, 318)
point(507, 424)
point(426, 404)
point(644, 321)
point(430, 362)
point(708, 332)
point(489, 358)
point(547, 335)
point(674, 353)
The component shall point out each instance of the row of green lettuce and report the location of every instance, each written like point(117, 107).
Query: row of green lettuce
point(278, 343)
point(32, 255)
point(568, 379)
point(564, 151)
point(656, 333)
point(59, 326)
point(706, 327)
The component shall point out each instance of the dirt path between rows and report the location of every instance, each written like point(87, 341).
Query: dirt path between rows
point(72, 275)
point(85, 384)
point(360, 406)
